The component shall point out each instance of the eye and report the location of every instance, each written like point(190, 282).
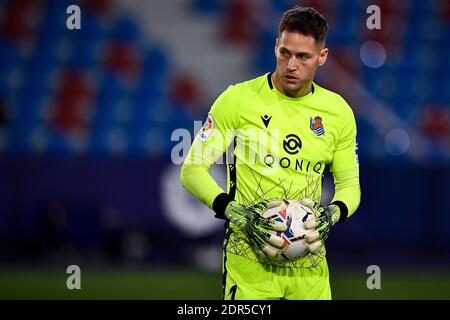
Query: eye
point(284, 53)
point(303, 56)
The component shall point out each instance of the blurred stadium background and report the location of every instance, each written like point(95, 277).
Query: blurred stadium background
point(86, 122)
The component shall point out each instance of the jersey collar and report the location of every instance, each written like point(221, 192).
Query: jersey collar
point(271, 86)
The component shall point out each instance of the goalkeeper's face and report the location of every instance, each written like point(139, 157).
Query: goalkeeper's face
point(298, 57)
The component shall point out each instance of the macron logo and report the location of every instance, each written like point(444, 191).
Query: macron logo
point(266, 119)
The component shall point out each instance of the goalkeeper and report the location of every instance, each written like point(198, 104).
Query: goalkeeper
point(285, 129)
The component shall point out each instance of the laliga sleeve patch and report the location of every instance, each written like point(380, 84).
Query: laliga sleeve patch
point(206, 130)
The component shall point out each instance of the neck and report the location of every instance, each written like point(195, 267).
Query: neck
point(303, 91)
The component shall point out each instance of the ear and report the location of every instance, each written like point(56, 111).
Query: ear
point(323, 56)
point(276, 46)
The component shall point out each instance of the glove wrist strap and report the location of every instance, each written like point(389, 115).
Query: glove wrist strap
point(220, 203)
point(343, 210)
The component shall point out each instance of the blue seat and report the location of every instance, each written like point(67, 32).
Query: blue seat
point(280, 6)
point(126, 30)
point(265, 60)
point(156, 63)
point(209, 7)
point(39, 74)
point(29, 105)
point(47, 45)
point(9, 59)
point(86, 43)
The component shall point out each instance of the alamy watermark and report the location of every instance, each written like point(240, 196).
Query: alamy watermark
point(374, 280)
point(73, 21)
point(374, 20)
point(74, 280)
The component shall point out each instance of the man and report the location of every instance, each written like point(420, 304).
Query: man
point(285, 129)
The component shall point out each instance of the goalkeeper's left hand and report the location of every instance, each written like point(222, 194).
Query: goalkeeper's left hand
point(319, 226)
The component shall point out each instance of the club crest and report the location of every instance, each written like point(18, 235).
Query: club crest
point(316, 126)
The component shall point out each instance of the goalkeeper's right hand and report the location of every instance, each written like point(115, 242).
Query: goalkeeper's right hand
point(250, 221)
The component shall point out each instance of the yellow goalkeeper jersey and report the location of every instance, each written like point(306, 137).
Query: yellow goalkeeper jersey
point(280, 145)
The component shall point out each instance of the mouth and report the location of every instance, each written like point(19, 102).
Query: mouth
point(290, 78)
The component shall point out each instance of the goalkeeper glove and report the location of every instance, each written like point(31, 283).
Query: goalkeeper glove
point(257, 229)
point(319, 227)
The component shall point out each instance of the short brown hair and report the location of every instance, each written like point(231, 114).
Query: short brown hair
point(305, 20)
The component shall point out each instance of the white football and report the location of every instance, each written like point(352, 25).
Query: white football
point(294, 214)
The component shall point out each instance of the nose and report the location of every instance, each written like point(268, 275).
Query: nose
point(291, 64)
